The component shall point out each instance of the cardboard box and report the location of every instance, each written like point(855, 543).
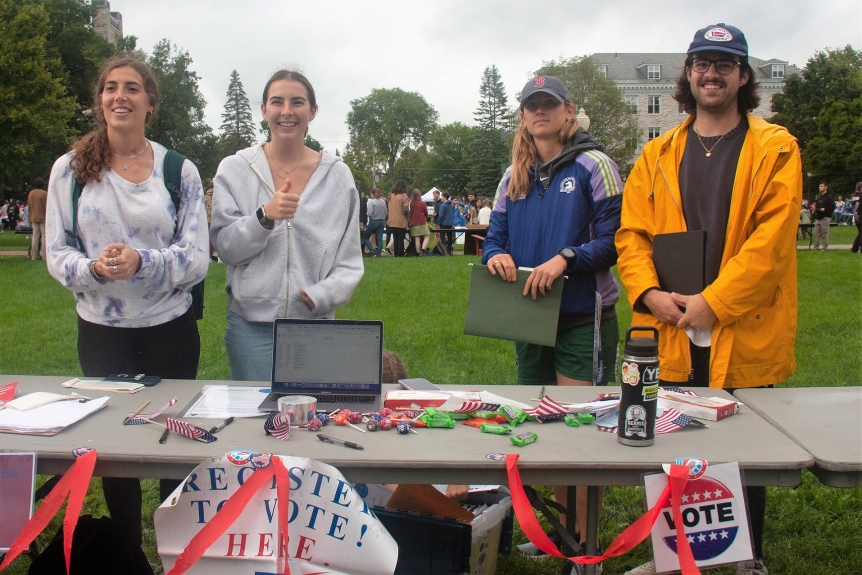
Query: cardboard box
point(708, 408)
point(435, 545)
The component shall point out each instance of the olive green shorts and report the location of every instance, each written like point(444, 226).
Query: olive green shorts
point(572, 356)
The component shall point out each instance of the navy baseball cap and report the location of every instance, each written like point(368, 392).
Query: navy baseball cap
point(548, 85)
point(720, 38)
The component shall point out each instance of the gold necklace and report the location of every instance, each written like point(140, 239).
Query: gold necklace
point(708, 150)
point(132, 157)
point(286, 172)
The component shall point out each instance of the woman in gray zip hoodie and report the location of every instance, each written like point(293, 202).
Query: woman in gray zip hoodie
point(284, 219)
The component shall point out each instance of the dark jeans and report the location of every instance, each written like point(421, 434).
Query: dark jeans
point(171, 351)
point(375, 227)
point(448, 239)
point(398, 234)
point(856, 242)
point(754, 494)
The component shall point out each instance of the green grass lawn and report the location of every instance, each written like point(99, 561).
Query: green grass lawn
point(810, 528)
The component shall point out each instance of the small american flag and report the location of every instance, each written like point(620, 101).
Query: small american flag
point(141, 418)
point(671, 420)
point(469, 406)
point(277, 425)
point(547, 407)
point(189, 430)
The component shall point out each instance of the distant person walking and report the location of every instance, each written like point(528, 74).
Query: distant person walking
point(824, 206)
point(857, 220)
point(36, 201)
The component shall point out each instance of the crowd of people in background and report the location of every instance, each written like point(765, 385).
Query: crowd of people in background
point(414, 227)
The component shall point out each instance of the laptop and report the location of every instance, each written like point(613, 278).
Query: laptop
point(338, 362)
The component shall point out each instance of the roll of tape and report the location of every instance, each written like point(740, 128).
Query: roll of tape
point(300, 409)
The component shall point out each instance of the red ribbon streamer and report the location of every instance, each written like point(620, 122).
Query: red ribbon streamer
point(630, 538)
point(74, 484)
point(230, 512)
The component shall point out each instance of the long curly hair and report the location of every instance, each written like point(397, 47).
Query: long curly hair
point(524, 153)
point(92, 153)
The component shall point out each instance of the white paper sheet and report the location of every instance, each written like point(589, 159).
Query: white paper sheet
point(49, 418)
point(223, 401)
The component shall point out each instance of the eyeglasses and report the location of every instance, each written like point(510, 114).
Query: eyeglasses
point(723, 67)
point(546, 104)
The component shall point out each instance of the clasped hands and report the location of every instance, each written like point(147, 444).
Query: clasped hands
point(666, 307)
point(118, 262)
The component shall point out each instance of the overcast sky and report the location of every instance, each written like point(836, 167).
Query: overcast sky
point(439, 48)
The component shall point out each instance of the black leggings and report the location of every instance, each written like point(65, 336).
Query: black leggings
point(171, 351)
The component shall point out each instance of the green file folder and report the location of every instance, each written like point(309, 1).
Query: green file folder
point(497, 308)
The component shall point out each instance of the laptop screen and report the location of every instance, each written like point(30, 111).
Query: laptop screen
point(327, 355)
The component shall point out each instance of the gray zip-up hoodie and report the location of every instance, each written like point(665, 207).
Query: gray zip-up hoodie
point(325, 257)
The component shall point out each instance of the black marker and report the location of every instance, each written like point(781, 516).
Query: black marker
point(221, 425)
point(164, 436)
point(335, 440)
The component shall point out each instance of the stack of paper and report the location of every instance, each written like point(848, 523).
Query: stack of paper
point(104, 386)
point(48, 419)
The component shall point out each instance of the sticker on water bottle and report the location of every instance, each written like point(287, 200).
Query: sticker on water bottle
point(631, 373)
point(636, 423)
point(650, 392)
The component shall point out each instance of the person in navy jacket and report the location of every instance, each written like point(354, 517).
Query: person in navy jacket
point(556, 210)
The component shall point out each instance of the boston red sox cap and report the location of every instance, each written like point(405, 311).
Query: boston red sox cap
point(548, 85)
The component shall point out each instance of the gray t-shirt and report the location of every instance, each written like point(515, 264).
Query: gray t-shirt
point(706, 185)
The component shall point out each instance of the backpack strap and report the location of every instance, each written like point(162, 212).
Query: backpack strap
point(172, 171)
point(76, 194)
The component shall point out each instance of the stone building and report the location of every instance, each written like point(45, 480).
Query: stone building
point(648, 81)
point(107, 24)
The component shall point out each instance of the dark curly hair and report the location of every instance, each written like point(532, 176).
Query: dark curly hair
point(746, 99)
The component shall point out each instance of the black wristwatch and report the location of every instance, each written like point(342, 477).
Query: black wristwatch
point(264, 221)
point(568, 254)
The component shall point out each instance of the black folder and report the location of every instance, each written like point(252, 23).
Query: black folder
point(679, 260)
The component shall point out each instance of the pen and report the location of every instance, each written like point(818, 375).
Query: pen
point(329, 439)
point(164, 436)
point(221, 425)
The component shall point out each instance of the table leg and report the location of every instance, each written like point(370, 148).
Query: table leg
point(592, 526)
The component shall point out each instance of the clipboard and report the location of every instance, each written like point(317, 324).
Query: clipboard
point(680, 261)
point(497, 309)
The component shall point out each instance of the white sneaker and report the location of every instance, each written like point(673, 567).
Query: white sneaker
point(645, 569)
point(751, 568)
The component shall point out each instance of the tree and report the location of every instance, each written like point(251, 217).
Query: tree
point(78, 51)
point(490, 152)
point(35, 108)
point(610, 120)
point(493, 103)
point(410, 166)
point(314, 144)
point(179, 121)
point(393, 119)
point(822, 107)
point(449, 157)
point(237, 126)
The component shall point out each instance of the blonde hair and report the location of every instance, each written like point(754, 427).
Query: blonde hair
point(524, 153)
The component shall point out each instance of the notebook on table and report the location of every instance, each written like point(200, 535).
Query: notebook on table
point(338, 362)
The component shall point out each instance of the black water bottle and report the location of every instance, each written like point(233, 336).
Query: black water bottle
point(639, 389)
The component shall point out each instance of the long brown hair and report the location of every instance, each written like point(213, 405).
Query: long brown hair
point(747, 97)
point(92, 153)
point(524, 153)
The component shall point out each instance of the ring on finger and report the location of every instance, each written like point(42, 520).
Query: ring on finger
point(114, 270)
point(113, 261)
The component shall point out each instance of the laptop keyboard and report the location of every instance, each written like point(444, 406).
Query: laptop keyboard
point(357, 399)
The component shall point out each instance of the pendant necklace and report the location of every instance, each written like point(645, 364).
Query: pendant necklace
point(286, 172)
point(708, 150)
point(132, 157)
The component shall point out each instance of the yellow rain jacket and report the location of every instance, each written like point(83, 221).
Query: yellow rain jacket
point(754, 296)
